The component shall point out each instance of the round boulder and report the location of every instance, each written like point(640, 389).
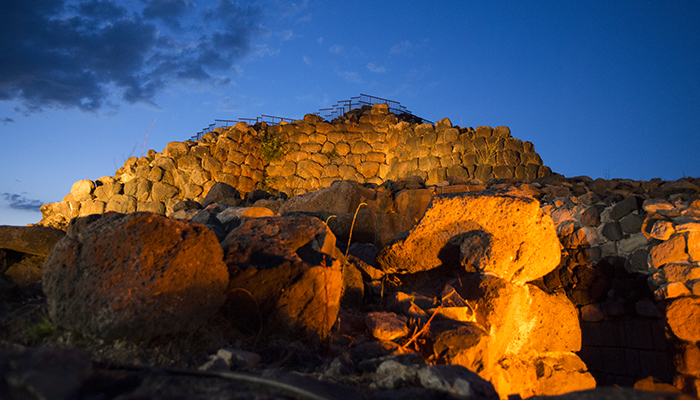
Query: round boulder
point(135, 276)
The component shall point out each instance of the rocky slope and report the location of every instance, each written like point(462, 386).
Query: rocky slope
point(462, 305)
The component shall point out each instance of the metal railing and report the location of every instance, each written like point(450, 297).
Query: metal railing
point(344, 106)
point(330, 113)
point(225, 123)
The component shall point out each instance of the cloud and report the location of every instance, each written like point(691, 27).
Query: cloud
point(400, 48)
point(376, 69)
point(320, 40)
point(19, 202)
point(350, 76)
point(307, 60)
point(336, 48)
point(286, 35)
point(291, 10)
point(6, 121)
point(56, 55)
point(263, 50)
point(168, 11)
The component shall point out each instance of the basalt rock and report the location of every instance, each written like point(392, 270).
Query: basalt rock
point(339, 198)
point(284, 270)
point(136, 276)
point(37, 240)
point(498, 233)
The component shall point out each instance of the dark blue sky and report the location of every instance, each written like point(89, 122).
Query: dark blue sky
point(601, 88)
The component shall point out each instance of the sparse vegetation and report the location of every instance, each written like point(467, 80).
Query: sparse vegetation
point(42, 329)
point(271, 147)
point(266, 185)
point(486, 155)
point(332, 154)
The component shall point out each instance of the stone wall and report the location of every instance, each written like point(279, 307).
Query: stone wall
point(378, 147)
point(367, 145)
point(631, 264)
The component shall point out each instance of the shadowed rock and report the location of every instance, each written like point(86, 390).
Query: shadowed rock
point(340, 198)
point(286, 269)
point(37, 240)
point(135, 276)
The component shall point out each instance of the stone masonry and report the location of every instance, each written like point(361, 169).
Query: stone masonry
point(368, 145)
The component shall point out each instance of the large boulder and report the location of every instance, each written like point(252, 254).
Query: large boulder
point(523, 318)
point(285, 271)
point(504, 234)
point(136, 276)
point(37, 240)
point(521, 339)
point(341, 197)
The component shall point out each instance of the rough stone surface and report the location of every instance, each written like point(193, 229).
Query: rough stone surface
point(694, 246)
point(339, 198)
point(523, 318)
point(668, 251)
point(614, 393)
point(222, 193)
point(82, 190)
point(37, 240)
point(386, 325)
point(286, 268)
point(137, 276)
point(683, 315)
point(562, 372)
point(509, 236)
point(456, 380)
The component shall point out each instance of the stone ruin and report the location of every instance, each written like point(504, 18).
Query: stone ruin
point(368, 145)
point(478, 257)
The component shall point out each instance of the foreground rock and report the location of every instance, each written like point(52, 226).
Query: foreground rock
point(23, 250)
point(503, 234)
point(615, 393)
point(37, 240)
point(136, 276)
point(519, 338)
point(286, 269)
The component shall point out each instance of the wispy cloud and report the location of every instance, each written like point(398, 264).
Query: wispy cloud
point(307, 60)
point(263, 50)
point(75, 56)
point(292, 10)
point(350, 76)
point(336, 48)
point(168, 11)
point(320, 40)
point(6, 121)
point(376, 69)
point(286, 35)
point(400, 48)
point(19, 202)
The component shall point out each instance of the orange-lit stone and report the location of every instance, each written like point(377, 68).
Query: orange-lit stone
point(284, 270)
point(135, 276)
point(683, 315)
point(519, 241)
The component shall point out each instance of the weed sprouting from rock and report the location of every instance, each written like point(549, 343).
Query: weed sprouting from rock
point(272, 147)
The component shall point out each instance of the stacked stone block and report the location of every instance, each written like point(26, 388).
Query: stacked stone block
point(367, 145)
point(379, 147)
point(630, 262)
